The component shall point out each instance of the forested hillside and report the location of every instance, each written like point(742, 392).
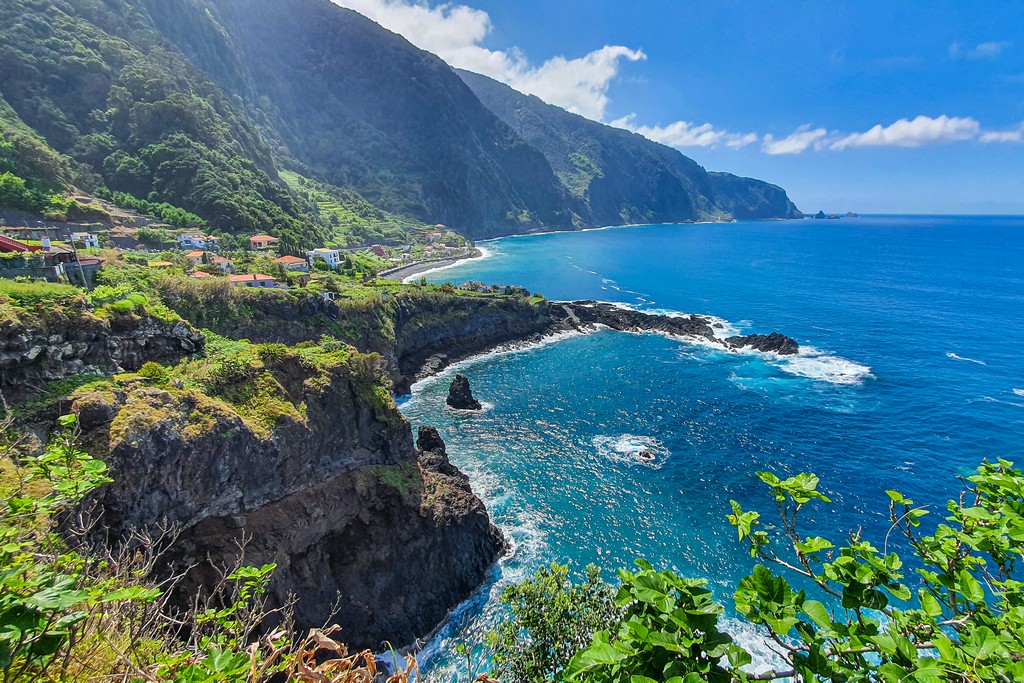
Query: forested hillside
point(202, 104)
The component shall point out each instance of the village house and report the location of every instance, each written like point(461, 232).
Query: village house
point(88, 240)
point(196, 257)
point(44, 261)
point(332, 257)
point(253, 280)
point(293, 263)
point(257, 242)
point(198, 241)
point(224, 265)
point(199, 275)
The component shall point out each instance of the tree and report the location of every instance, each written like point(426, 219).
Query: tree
point(859, 620)
point(550, 620)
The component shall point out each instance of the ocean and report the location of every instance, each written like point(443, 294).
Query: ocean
point(909, 375)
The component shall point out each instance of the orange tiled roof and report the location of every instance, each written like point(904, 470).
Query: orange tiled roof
point(251, 277)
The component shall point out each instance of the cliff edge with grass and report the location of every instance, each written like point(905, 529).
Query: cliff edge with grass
point(292, 456)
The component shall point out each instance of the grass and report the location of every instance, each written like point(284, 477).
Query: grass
point(404, 477)
point(56, 390)
point(31, 293)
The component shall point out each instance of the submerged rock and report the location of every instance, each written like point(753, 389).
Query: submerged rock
point(775, 342)
point(460, 396)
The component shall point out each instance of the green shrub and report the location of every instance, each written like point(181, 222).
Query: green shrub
point(858, 619)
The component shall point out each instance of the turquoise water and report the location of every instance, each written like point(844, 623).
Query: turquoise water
point(911, 373)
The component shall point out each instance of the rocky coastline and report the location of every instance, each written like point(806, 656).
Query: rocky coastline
point(336, 494)
point(566, 317)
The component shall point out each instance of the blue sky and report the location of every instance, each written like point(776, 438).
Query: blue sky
point(914, 107)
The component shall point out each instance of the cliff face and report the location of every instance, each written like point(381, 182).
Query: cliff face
point(416, 331)
point(304, 453)
point(621, 177)
point(67, 342)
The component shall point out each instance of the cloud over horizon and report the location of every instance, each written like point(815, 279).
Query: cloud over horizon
point(687, 134)
point(922, 130)
point(455, 33)
point(989, 50)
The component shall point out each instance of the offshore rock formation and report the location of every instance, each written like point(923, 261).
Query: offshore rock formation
point(332, 491)
point(460, 396)
point(774, 342)
point(69, 342)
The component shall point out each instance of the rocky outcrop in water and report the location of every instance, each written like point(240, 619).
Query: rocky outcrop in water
point(460, 396)
point(334, 493)
point(584, 315)
point(774, 342)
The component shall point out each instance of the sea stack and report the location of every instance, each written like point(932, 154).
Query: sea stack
point(460, 396)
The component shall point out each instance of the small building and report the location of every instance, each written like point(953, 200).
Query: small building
point(253, 280)
point(87, 239)
point(200, 275)
point(433, 236)
point(263, 242)
point(198, 241)
point(293, 263)
point(332, 257)
point(196, 256)
point(224, 265)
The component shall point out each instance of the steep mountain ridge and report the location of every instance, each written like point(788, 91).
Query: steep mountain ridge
point(364, 108)
point(622, 177)
point(202, 103)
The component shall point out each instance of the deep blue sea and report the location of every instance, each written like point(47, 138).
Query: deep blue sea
point(911, 373)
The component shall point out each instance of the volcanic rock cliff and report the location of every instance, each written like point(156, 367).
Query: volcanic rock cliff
point(304, 453)
point(419, 332)
point(69, 341)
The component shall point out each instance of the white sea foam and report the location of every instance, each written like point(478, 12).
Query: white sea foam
point(747, 635)
point(1019, 392)
point(819, 365)
point(634, 449)
point(810, 362)
point(969, 360)
point(484, 253)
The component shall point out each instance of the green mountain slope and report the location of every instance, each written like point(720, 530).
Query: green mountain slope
point(364, 109)
point(203, 104)
point(102, 86)
point(622, 177)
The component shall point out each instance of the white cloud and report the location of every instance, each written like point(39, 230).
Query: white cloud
point(686, 134)
point(1014, 135)
point(455, 33)
point(989, 50)
point(923, 130)
point(798, 141)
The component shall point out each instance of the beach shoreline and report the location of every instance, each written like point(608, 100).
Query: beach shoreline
point(406, 273)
